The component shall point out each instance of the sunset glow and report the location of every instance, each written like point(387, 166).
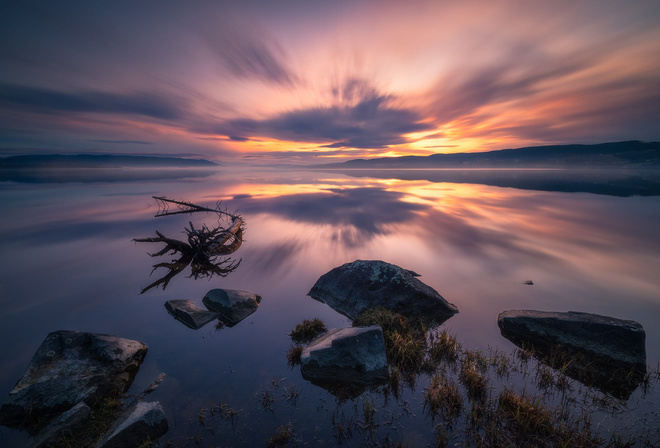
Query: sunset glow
point(299, 82)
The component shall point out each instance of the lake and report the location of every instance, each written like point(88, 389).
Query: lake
point(69, 262)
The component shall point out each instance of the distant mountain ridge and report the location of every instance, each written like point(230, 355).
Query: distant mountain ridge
point(100, 161)
point(629, 154)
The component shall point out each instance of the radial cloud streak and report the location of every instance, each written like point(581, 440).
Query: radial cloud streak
point(300, 81)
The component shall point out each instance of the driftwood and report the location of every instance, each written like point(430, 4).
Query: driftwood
point(203, 247)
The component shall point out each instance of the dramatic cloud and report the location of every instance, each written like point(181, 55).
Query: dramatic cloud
point(244, 79)
point(250, 59)
point(363, 119)
point(136, 142)
point(50, 101)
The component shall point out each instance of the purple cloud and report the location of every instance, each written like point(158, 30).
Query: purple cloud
point(51, 101)
point(369, 120)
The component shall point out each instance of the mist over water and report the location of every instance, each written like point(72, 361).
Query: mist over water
point(69, 263)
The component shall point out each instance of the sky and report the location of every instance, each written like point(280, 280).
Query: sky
point(310, 81)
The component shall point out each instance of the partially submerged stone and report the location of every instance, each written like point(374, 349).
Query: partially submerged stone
point(232, 305)
point(354, 355)
point(64, 425)
point(185, 311)
point(72, 367)
point(600, 351)
point(142, 422)
point(355, 287)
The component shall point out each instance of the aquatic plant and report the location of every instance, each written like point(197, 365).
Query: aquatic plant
point(442, 399)
point(283, 437)
point(443, 347)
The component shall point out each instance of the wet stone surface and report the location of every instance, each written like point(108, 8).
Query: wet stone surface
point(355, 287)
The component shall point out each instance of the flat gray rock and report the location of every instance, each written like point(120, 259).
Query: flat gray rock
point(72, 367)
point(355, 354)
point(355, 287)
point(143, 421)
point(185, 311)
point(232, 305)
point(606, 352)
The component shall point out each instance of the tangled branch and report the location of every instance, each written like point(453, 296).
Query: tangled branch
point(203, 247)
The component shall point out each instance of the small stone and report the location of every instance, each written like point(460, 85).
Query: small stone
point(355, 354)
point(232, 305)
point(188, 313)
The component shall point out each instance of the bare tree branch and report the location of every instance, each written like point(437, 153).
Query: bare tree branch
point(204, 245)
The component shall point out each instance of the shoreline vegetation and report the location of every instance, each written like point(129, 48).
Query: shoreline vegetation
point(474, 398)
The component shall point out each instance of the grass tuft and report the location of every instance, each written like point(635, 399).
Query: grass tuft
point(442, 399)
point(283, 437)
point(308, 330)
point(293, 355)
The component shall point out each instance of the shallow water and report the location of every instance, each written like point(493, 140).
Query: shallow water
point(69, 262)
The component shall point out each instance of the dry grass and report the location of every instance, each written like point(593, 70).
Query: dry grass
point(442, 399)
point(308, 330)
point(283, 437)
point(293, 355)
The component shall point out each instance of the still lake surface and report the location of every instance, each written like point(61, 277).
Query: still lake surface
point(69, 263)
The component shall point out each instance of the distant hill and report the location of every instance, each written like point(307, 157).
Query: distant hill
point(100, 161)
point(629, 154)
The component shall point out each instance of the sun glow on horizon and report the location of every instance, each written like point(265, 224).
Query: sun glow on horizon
point(325, 83)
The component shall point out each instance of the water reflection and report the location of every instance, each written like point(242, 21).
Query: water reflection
point(66, 246)
point(613, 182)
point(618, 379)
point(100, 175)
point(367, 210)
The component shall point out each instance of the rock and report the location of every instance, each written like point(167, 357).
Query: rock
point(143, 421)
point(355, 287)
point(64, 425)
point(232, 305)
point(603, 352)
point(71, 367)
point(355, 355)
point(187, 312)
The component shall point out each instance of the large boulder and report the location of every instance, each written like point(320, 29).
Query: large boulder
point(72, 367)
point(600, 351)
point(232, 305)
point(355, 287)
point(185, 311)
point(355, 355)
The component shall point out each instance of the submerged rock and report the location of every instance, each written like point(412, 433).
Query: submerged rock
point(355, 355)
point(603, 352)
point(64, 425)
point(188, 313)
point(72, 367)
point(232, 305)
point(142, 422)
point(355, 287)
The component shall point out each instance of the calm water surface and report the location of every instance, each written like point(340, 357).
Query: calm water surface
point(69, 262)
